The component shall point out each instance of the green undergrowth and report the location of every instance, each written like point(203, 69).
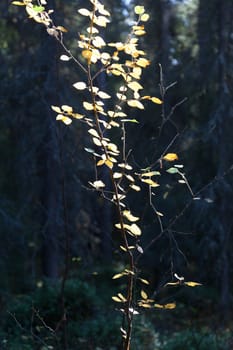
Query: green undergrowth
point(35, 321)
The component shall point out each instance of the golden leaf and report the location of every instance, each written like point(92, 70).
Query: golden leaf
point(56, 109)
point(67, 109)
point(156, 100)
point(84, 12)
point(142, 62)
point(144, 17)
point(118, 275)
point(192, 284)
point(144, 281)
point(88, 106)
point(135, 86)
point(135, 187)
point(144, 295)
point(135, 103)
point(117, 299)
point(87, 54)
point(64, 119)
point(170, 157)
point(127, 214)
point(150, 182)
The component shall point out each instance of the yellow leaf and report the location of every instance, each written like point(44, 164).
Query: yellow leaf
point(97, 184)
point(64, 119)
point(18, 3)
point(170, 157)
point(117, 175)
point(67, 109)
point(101, 162)
point(143, 62)
point(134, 230)
point(93, 132)
point(135, 187)
point(144, 17)
point(87, 54)
point(101, 21)
point(118, 275)
point(98, 42)
point(139, 10)
point(135, 103)
point(77, 115)
point(145, 305)
point(103, 95)
point(62, 29)
point(88, 106)
point(117, 299)
point(136, 72)
point(192, 284)
point(135, 86)
point(84, 12)
point(165, 306)
point(56, 109)
point(130, 178)
point(108, 163)
point(170, 306)
point(151, 173)
point(156, 100)
point(80, 85)
point(144, 295)
point(125, 166)
point(140, 32)
point(127, 214)
point(150, 182)
point(144, 281)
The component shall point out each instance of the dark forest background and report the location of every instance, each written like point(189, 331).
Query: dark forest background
point(58, 246)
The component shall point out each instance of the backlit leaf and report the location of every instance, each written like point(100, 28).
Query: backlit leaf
point(80, 85)
point(127, 214)
point(84, 12)
point(117, 299)
point(93, 132)
point(117, 175)
point(64, 119)
point(139, 10)
point(144, 17)
point(172, 170)
point(135, 86)
point(56, 109)
point(103, 95)
point(192, 284)
point(144, 281)
point(67, 109)
point(150, 182)
point(135, 103)
point(98, 42)
point(88, 106)
point(135, 187)
point(156, 100)
point(65, 58)
point(134, 230)
point(97, 184)
point(18, 3)
point(118, 275)
point(144, 295)
point(170, 157)
point(87, 54)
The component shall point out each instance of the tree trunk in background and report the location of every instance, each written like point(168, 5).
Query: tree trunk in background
point(49, 159)
point(215, 59)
